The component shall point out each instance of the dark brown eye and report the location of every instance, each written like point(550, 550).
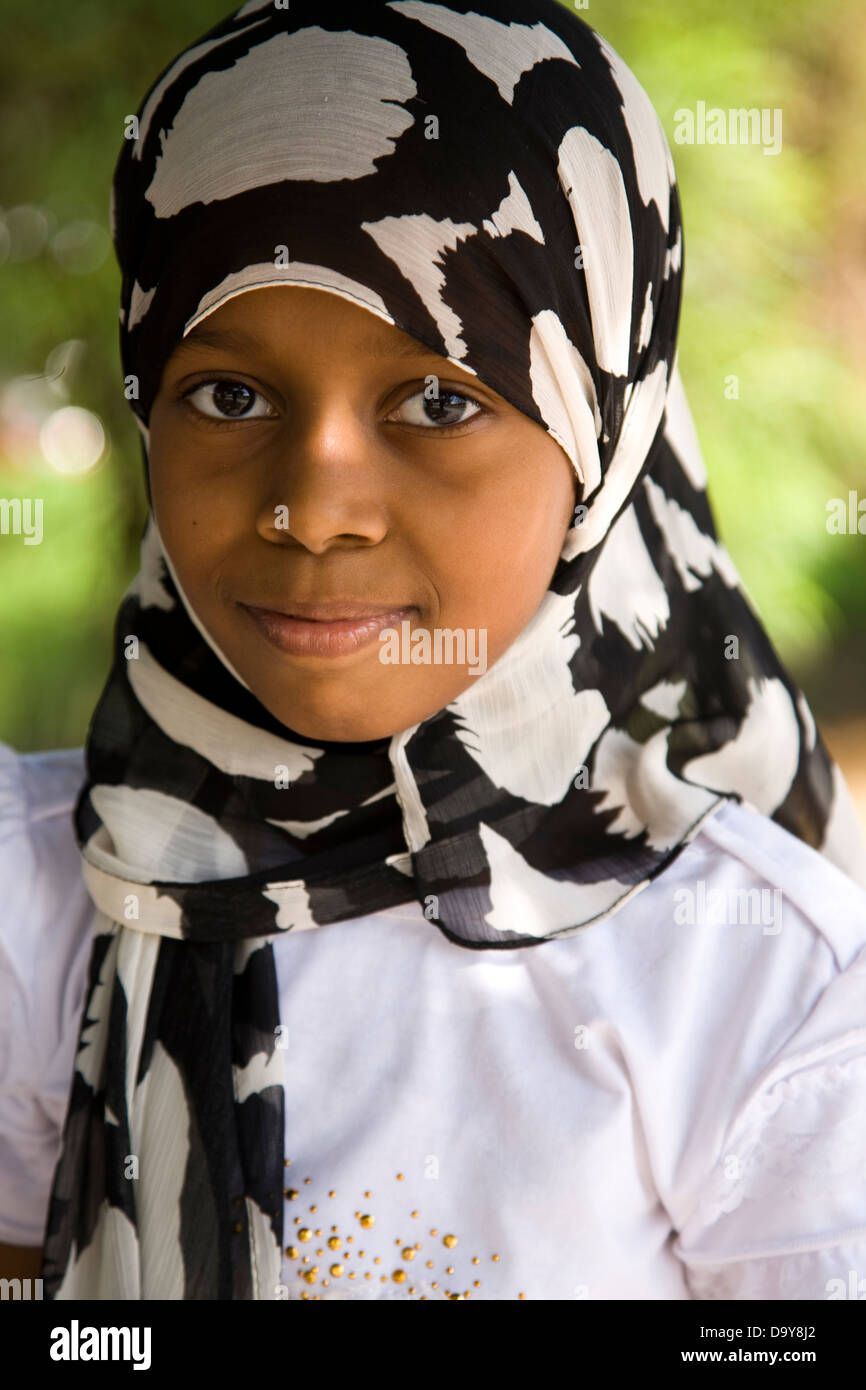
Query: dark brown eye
point(232, 397)
point(227, 399)
point(448, 409)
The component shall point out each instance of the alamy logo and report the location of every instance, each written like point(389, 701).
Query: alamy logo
point(855, 1287)
point(22, 516)
point(847, 520)
point(76, 1343)
point(715, 907)
point(739, 126)
point(24, 1289)
point(423, 648)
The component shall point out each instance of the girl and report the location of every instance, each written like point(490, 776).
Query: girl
point(467, 905)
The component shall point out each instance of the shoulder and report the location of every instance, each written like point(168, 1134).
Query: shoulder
point(743, 956)
point(743, 852)
point(45, 928)
point(785, 937)
point(45, 939)
point(46, 782)
point(40, 867)
point(758, 988)
point(756, 944)
point(739, 935)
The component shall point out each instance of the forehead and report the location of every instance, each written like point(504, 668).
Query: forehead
point(272, 319)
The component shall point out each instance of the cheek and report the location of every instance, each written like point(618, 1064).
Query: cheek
point(165, 493)
point(196, 518)
point(186, 526)
point(524, 529)
point(493, 557)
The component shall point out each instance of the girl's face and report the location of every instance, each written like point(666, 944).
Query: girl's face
point(316, 469)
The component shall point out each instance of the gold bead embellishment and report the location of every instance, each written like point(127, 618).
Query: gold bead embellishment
point(287, 1163)
point(335, 1242)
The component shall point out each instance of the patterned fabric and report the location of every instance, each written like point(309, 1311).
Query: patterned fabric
point(533, 239)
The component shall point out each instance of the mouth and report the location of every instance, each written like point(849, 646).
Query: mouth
point(325, 630)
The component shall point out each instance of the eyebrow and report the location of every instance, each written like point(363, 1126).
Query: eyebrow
point(235, 338)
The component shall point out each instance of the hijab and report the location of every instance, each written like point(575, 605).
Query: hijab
point(492, 180)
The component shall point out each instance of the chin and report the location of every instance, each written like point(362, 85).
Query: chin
point(336, 728)
point(335, 733)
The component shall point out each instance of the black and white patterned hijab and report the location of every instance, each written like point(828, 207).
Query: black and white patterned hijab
point(488, 176)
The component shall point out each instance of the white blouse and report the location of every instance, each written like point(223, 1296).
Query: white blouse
point(669, 1105)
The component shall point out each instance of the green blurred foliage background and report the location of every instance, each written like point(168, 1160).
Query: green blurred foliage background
point(775, 293)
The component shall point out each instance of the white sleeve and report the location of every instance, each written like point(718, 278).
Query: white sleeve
point(782, 1214)
point(44, 944)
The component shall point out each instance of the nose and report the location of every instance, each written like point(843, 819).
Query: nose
point(326, 482)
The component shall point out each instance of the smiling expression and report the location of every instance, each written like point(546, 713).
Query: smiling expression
point(296, 456)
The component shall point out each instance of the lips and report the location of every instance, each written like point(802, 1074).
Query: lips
point(334, 610)
point(324, 636)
